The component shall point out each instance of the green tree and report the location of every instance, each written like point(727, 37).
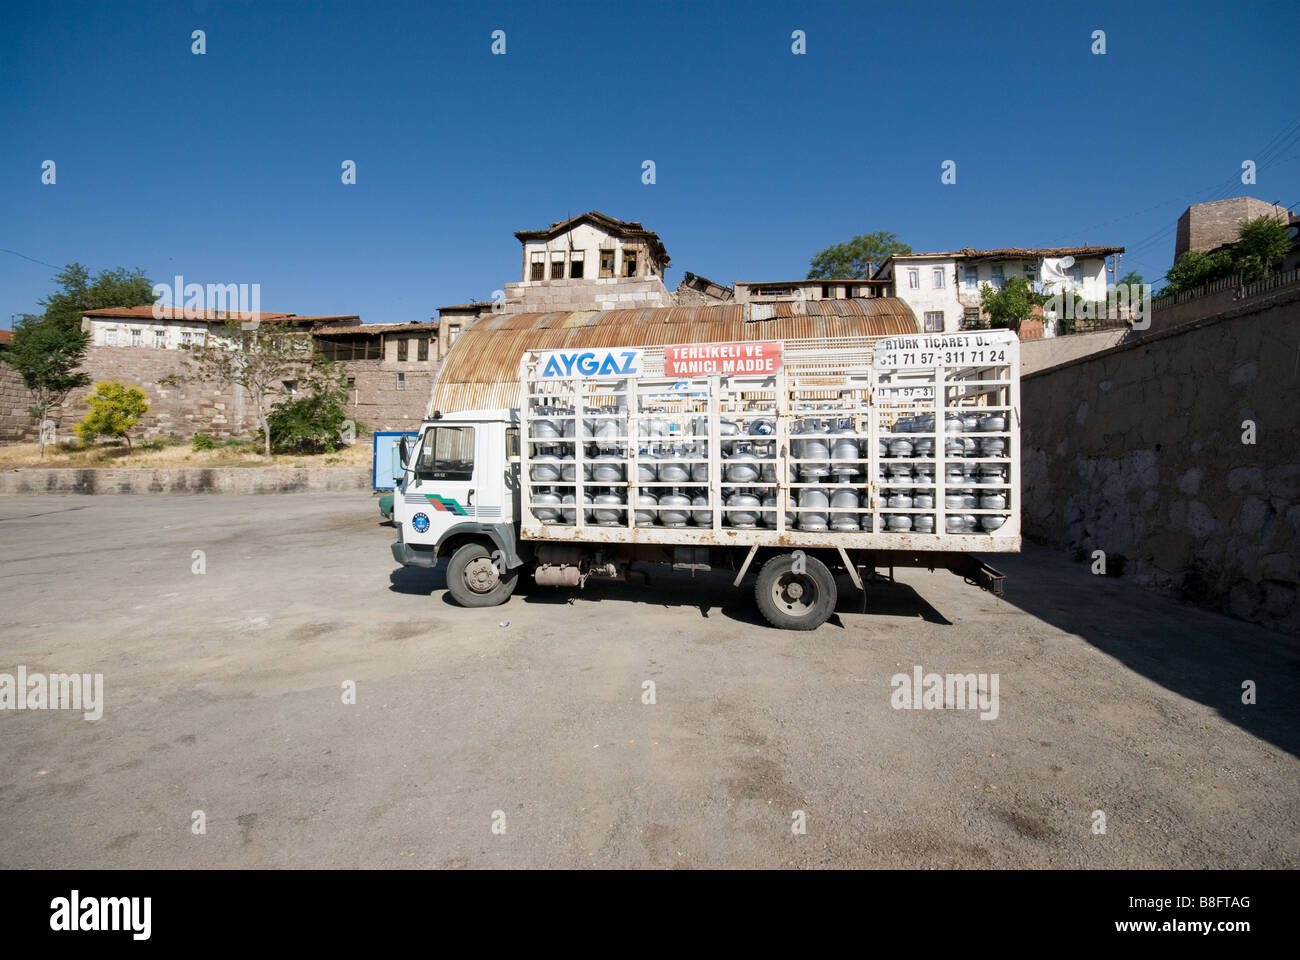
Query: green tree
point(849, 261)
point(317, 419)
point(1196, 267)
point(1263, 245)
point(1131, 279)
point(46, 355)
point(258, 361)
point(1012, 305)
point(77, 293)
point(114, 410)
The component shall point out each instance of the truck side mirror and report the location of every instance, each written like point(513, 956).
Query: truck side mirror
point(401, 457)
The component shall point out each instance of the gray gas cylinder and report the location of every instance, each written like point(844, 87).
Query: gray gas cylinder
point(674, 509)
point(747, 513)
point(815, 518)
point(647, 510)
point(608, 509)
point(546, 506)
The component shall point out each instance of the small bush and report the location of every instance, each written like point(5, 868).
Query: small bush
point(154, 445)
point(1115, 563)
point(1078, 554)
point(203, 441)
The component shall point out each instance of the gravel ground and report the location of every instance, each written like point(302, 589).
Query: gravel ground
point(223, 693)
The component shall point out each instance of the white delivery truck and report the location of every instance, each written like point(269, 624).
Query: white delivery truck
point(797, 459)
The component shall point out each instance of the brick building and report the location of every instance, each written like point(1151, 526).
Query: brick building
point(1207, 226)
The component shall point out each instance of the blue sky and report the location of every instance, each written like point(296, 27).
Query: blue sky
point(225, 167)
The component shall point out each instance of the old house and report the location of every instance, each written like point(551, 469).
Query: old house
point(943, 289)
point(589, 262)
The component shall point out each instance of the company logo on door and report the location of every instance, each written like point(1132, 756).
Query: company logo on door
point(700, 359)
point(605, 362)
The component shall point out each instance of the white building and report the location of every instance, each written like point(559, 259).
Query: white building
point(172, 329)
point(943, 289)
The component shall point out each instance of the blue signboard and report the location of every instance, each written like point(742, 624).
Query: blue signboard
point(387, 462)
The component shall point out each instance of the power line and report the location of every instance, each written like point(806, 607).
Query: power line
point(32, 259)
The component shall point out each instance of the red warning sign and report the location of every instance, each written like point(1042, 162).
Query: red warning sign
point(702, 359)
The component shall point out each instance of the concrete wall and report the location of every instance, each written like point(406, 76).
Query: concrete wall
point(1218, 296)
point(1039, 354)
point(1138, 451)
point(187, 480)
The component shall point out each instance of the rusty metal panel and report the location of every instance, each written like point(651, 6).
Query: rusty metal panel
point(481, 369)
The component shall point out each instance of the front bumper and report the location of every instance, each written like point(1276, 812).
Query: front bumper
point(414, 555)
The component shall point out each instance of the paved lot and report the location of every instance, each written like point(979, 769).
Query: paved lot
point(224, 694)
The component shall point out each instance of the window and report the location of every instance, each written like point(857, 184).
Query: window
point(538, 266)
point(422, 348)
point(971, 320)
point(137, 337)
point(557, 265)
point(914, 279)
point(1031, 271)
point(934, 321)
point(575, 265)
point(110, 337)
point(512, 442)
point(187, 338)
point(401, 381)
point(160, 339)
point(629, 263)
point(1076, 275)
point(352, 382)
point(452, 333)
point(936, 278)
point(447, 454)
point(290, 386)
point(403, 346)
point(996, 276)
point(972, 275)
point(606, 263)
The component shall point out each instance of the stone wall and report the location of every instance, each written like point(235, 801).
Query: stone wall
point(1137, 451)
point(15, 423)
point(183, 480)
point(182, 411)
point(610, 293)
point(378, 403)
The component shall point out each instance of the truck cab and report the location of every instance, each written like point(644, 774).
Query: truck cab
point(458, 498)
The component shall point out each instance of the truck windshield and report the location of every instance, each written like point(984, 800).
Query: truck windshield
point(446, 454)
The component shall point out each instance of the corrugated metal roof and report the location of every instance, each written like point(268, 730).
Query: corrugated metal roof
point(482, 368)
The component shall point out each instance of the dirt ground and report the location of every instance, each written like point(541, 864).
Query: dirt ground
point(226, 672)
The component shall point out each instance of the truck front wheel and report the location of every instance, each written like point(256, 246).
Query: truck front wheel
point(475, 580)
point(795, 592)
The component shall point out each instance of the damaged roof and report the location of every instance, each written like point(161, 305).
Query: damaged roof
point(628, 229)
point(482, 369)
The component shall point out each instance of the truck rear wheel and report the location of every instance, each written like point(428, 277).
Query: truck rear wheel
point(473, 579)
point(795, 600)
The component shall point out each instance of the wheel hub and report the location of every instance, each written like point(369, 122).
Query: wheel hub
point(795, 593)
point(481, 575)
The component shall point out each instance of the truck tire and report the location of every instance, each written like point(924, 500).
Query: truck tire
point(473, 579)
point(795, 601)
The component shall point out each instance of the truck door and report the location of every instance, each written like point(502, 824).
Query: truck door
point(442, 490)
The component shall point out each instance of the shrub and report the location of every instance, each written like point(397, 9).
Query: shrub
point(114, 410)
point(202, 441)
